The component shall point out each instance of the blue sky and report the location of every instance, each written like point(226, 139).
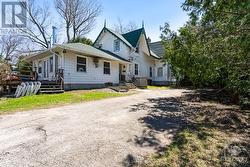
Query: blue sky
point(154, 13)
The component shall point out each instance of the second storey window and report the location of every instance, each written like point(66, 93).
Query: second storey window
point(81, 64)
point(136, 69)
point(160, 72)
point(116, 45)
point(106, 67)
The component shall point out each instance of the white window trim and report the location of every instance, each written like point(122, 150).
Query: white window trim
point(52, 64)
point(137, 68)
point(115, 46)
point(86, 64)
point(150, 72)
point(109, 67)
point(158, 72)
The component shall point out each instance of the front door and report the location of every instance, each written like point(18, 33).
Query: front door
point(121, 73)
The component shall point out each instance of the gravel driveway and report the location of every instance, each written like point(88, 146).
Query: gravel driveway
point(100, 133)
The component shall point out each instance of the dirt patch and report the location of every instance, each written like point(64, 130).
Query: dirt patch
point(205, 132)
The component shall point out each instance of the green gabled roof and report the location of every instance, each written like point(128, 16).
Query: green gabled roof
point(133, 36)
point(130, 39)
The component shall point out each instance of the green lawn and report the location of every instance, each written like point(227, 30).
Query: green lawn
point(8, 105)
point(158, 87)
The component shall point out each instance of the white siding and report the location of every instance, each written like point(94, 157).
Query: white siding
point(166, 72)
point(107, 41)
point(92, 76)
point(143, 59)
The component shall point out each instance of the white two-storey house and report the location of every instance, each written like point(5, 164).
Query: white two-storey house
point(113, 58)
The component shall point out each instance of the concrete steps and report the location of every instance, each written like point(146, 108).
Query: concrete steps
point(123, 87)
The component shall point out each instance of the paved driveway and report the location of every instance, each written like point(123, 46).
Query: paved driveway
point(101, 133)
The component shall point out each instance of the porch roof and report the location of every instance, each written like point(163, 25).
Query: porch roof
point(77, 48)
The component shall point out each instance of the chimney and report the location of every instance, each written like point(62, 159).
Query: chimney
point(149, 40)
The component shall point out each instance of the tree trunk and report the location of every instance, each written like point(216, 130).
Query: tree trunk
point(68, 35)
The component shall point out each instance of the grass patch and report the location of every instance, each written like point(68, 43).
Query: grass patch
point(99, 95)
point(158, 87)
point(8, 105)
point(192, 148)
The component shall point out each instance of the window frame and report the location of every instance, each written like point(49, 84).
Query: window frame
point(51, 64)
point(137, 69)
point(150, 72)
point(109, 68)
point(86, 62)
point(117, 49)
point(159, 73)
point(40, 70)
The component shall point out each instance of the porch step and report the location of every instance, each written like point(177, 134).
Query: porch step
point(129, 85)
point(51, 91)
point(119, 88)
point(50, 87)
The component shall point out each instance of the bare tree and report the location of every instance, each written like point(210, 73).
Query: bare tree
point(10, 46)
point(122, 28)
point(38, 19)
point(78, 15)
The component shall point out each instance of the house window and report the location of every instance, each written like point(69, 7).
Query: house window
point(130, 67)
point(39, 67)
point(150, 72)
point(81, 64)
point(136, 69)
point(51, 64)
point(116, 45)
point(106, 67)
point(160, 72)
point(44, 69)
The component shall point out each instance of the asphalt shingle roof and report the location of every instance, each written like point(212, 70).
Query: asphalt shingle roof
point(81, 48)
point(111, 53)
point(157, 48)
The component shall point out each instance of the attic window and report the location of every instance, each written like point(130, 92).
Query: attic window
point(116, 45)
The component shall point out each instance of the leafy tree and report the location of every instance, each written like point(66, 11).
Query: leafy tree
point(213, 48)
point(82, 40)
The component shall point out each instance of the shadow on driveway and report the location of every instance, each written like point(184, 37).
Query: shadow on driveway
point(166, 116)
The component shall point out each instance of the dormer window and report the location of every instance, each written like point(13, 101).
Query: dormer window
point(117, 45)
